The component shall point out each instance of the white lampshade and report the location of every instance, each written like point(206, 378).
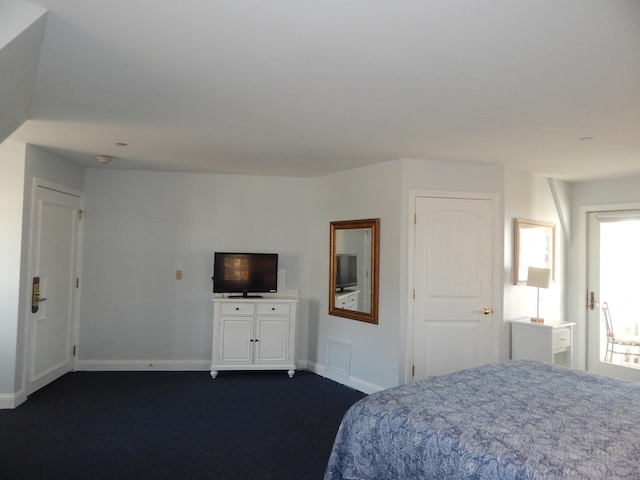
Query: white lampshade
point(539, 277)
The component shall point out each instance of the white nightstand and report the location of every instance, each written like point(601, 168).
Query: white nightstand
point(550, 342)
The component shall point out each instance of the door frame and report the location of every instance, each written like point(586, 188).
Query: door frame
point(75, 304)
point(498, 241)
point(583, 284)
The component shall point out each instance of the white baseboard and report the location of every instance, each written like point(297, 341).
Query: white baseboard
point(142, 365)
point(11, 400)
point(350, 381)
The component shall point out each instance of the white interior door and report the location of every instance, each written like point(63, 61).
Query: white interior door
point(613, 262)
point(454, 326)
point(53, 262)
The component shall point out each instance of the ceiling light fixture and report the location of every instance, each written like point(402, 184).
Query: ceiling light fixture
point(104, 159)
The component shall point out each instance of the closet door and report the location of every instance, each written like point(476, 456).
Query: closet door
point(455, 272)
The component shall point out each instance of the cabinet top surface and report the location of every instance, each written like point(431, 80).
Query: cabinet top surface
point(254, 299)
point(545, 324)
point(346, 293)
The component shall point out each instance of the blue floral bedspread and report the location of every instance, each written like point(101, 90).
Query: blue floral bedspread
point(513, 420)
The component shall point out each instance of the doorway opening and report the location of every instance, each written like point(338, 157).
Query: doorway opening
point(619, 285)
point(613, 263)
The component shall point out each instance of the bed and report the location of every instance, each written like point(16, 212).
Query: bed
point(518, 419)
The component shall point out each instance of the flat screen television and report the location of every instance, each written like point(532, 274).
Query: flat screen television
point(346, 271)
point(244, 274)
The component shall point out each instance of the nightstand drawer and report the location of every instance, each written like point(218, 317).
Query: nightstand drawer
point(561, 340)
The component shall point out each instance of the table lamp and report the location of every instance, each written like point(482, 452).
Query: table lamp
point(539, 278)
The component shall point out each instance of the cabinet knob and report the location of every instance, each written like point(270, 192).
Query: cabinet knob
point(273, 308)
point(237, 308)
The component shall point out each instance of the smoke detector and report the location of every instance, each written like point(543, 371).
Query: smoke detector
point(104, 159)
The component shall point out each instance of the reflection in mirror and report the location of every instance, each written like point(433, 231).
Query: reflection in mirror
point(353, 269)
point(534, 246)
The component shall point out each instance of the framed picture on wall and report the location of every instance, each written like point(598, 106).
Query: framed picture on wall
point(534, 246)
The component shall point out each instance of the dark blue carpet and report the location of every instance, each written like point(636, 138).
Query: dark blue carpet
point(174, 425)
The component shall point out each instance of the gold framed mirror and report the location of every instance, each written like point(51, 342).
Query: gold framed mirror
point(353, 269)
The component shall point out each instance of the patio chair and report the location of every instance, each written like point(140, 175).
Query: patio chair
point(618, 343)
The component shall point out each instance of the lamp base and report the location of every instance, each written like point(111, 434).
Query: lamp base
point(537, 320)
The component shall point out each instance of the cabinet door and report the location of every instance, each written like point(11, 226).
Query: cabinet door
point(272, 339)
point(236, 340)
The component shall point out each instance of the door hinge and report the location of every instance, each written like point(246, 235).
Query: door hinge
point(77, 282)
point(415, 218)
point(80, 214)
point(74, 350)
point(413, 370)
point(414, 293)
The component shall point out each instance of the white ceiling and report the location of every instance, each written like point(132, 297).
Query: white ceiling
point(308, 87)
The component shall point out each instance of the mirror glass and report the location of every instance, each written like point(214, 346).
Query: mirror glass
point(353, 269)
point(534, 243)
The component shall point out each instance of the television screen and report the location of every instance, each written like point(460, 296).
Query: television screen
point(244, 273)
point(346, 271)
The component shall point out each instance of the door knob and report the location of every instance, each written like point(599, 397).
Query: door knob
point(487, 310)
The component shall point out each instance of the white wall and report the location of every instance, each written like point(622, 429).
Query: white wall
point(378, 352)
point(12, 167)
point(21, 33)
point(47, 166)
point(367, 192)
point(140, 227)
point(19, 164)
point(530, 197)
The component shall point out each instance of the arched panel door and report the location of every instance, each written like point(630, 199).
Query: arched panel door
point(454, 268)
